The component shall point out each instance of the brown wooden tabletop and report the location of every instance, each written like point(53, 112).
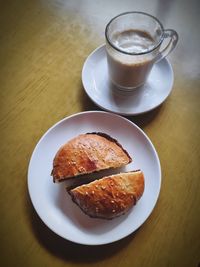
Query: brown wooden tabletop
point(43, 45)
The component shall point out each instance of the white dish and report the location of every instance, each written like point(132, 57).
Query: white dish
point(54, 205)
point(98, 87)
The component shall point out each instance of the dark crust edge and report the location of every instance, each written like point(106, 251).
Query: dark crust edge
point(79, 175)
point(114, 141)
point(88, 181)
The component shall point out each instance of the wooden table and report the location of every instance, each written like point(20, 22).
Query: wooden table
point(43, 47)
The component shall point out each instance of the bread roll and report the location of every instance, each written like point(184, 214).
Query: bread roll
point(110, 196)
point(88, 153)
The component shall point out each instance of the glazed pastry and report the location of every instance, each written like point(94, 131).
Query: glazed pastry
point(110, 196)
point(88, 153)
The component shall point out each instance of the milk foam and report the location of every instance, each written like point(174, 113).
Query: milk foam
point(133, 41)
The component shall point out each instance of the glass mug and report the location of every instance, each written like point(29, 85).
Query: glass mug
point(133, 45)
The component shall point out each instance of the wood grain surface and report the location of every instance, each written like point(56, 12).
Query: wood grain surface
point(43, 45)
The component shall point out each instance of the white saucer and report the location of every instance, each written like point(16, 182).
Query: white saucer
point(98, 87)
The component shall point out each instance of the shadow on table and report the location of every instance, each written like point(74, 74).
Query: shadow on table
point(141, 120)
point(67, 250)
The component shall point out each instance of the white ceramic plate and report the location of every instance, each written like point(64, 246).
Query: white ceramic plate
point(54, 205)
point(98, 87)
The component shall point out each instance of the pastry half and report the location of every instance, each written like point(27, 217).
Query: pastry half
point(110, 196)
point(88, 153)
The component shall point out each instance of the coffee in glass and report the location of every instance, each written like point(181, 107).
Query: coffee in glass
point(133, 45)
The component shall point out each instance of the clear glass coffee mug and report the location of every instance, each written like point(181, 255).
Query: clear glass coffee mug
point(134, 42)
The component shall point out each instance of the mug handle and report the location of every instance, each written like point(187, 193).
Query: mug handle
point(173, 35)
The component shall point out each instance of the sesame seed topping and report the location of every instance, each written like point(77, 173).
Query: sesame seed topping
point(113, 211)
point(81, 169)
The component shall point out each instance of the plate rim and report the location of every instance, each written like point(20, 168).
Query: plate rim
point(35, 150)
point(102, 46)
